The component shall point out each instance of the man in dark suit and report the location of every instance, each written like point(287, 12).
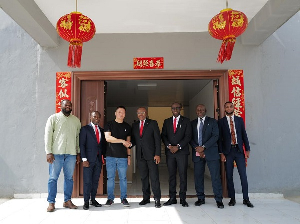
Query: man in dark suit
point(232, 137)
point(93, 147)
point(176, 135)
point(204, 144)
point(146, 137)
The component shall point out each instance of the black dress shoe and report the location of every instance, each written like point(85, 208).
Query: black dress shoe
point(144, 201)
point(200, 202)
point(232, 202)
point(157, 203)
point(248, 203)
point(184, 203)
point(220, 204)
point(95, 203)
point(170, 201)
point(86, 206)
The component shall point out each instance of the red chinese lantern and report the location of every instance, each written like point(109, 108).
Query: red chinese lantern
point(75, 28)
point(226, 26)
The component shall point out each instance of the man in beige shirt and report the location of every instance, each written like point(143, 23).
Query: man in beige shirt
point(62, 149)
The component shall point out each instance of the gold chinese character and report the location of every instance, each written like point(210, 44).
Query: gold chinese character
point(63, 94)
point(139, 63)
point(63, 83)
point(151, 63)
point(157, 63)
point(237, 113)
point(236, 91)
point(145, 63)
point(236, 81)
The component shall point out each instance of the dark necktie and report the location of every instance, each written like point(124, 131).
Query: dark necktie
point(233, 140)
point(97, 134)
point(174, 125)
point(141, 128)
point(200, 132)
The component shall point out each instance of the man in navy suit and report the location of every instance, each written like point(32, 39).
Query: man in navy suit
point(204, 144)
point(176, 135)
point(92, 147)
point(146, 137)
point(232, 137)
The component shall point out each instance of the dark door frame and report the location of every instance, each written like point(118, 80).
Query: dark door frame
point(77, 77)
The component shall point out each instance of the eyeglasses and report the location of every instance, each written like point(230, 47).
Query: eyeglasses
point(175, 108)
point(138, 113)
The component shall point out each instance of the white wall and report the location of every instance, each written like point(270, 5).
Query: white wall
point(271, 75)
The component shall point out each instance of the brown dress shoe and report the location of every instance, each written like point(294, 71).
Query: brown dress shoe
point(51, 207)
point(70, 205)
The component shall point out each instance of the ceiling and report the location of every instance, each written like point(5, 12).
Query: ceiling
point(38, 17)
point(141, 16)
point(152, 93)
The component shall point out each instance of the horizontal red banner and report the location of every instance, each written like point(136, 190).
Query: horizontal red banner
point(148, 63)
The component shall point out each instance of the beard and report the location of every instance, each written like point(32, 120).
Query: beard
point(228, 113)
point(66, 112)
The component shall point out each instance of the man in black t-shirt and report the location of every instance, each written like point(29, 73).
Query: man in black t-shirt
point(117, 134)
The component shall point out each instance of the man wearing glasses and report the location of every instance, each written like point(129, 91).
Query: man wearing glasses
point(176, 135)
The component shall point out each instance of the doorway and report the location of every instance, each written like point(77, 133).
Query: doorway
point(142, 82)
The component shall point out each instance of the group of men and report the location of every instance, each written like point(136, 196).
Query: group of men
point(66, 143)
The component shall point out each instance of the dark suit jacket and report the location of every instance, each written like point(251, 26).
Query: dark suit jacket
point(88, 144)
point(182, 136)
point(210, 136)
point(225, 136)
point(149, 144)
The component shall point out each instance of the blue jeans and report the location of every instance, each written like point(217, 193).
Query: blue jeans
point(67, 162)
point(113, 164)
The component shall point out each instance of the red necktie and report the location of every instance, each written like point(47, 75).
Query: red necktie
point(98, 140)
point(97, 134)
point(141, 128)
point(174, 125)
point(233, 140)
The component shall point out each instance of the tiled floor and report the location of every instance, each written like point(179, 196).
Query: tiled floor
point(269, 208)
point(266, 210)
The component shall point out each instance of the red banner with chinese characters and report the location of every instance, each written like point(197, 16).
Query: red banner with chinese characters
point(63, 88)
point(148, 63)
point(236, 93)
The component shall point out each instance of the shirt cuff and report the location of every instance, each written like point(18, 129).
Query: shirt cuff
point(84, 159)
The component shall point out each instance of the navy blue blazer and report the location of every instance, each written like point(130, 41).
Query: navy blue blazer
point(149, 144)
point(182, 136)
point(225, 136)
point(89, 147)
point(210, 136)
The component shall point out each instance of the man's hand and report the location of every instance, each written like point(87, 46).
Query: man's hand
point(128, 160)
point(50, 158)
point(157, 159)
point(86, 164)
point(199, 149)
point(247, 154)
point(223, 158)
point(78, 159)
point(202, 155)
point(173, 149)
point(127, 144)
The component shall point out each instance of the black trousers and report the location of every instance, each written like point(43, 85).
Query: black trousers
point(180, 162)
point(149, 170)
point(236, 155)
point(90, 180)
